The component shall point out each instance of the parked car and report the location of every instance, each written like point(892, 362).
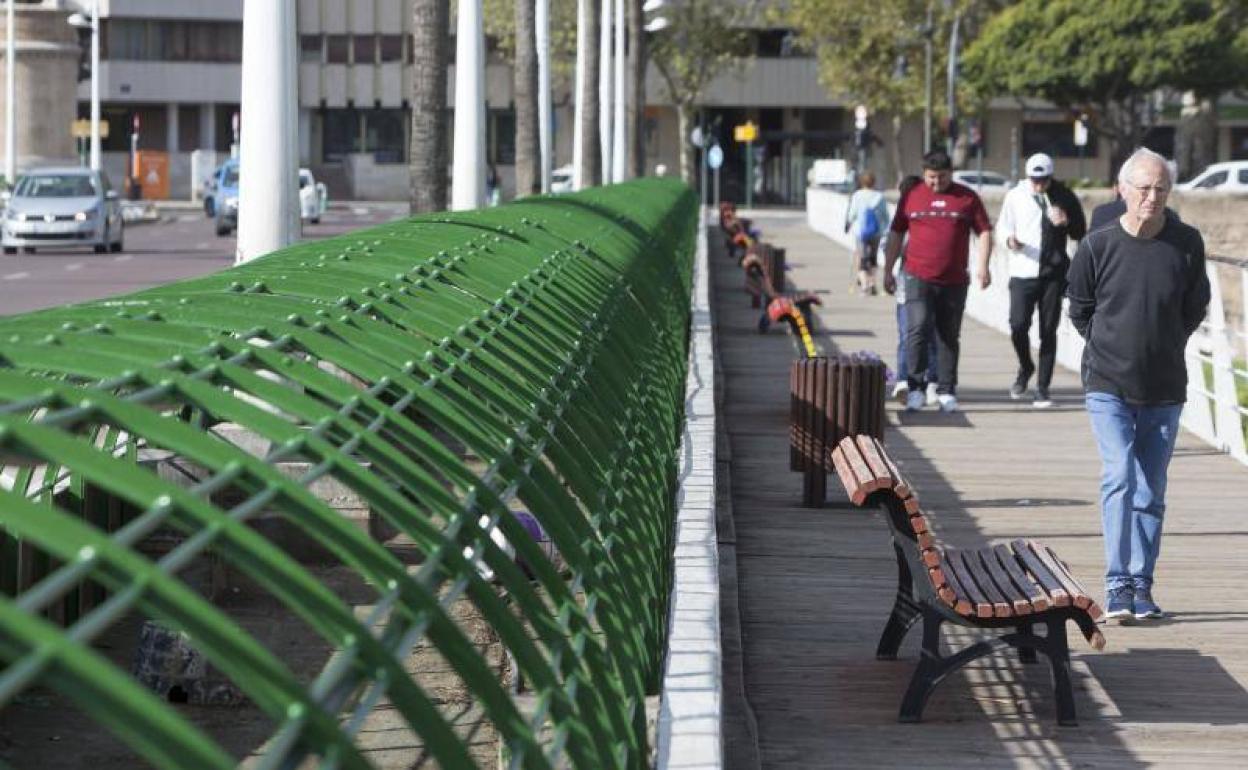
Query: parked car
point(989, 180)
point(225, 197)
point(561, 180)
point(313, 197)
point(1231, 176)
point(63, 207)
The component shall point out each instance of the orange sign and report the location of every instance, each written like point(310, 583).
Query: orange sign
point(153, 174)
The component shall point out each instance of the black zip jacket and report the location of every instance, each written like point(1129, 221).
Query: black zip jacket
point(1136, 301)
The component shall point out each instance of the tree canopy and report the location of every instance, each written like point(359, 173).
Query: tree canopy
point(1108, 58)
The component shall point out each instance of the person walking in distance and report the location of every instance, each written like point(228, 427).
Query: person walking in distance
point(939, 216)
point(866, 216)
point(901, 388)
point(1038, 218)
point(1138, 289)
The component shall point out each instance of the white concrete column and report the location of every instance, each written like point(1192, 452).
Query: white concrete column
point(290, 107)
point(468, 155)
point(582, 68)
point(208, 126)
point(171, 129)
point(267, 180)
point(544, 139)
point(619, 137)
point(10, 97)
point(604, 90)
point(95, 86)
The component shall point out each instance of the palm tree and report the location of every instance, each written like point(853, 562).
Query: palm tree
point(588, 32)
point(428, 152)
point(528, 154)
point(636, 142)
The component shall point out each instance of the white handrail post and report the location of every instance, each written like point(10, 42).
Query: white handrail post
point(468, 166)
point(95, 85)
point(582, 70)
point(1229, 425)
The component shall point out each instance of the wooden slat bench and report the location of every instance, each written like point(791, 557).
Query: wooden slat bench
point(830, 398)
point(1017, 586)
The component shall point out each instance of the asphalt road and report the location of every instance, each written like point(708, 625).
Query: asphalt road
point(181, 245)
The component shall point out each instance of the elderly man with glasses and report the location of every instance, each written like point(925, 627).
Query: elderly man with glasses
point(1137, 290)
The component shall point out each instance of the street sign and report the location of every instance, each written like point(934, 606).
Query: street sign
point(715, 157)
point(1081, 133)
point(746, 132)
point(82, 129)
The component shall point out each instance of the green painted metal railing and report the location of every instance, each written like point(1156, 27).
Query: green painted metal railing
point(448, 370)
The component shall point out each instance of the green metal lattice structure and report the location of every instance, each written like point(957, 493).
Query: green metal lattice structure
point(449, 370)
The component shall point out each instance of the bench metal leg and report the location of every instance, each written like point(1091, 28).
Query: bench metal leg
point(1026, 654)
point(904, 615)
point(934, 667)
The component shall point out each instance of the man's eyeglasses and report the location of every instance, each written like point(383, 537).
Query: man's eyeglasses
point(1159, 191)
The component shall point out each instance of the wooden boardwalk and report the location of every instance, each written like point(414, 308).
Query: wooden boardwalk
point(814, 586)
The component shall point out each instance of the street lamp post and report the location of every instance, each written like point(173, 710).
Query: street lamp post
point(268, 170)
point(542, 34)
point(10, 97)
point(468, 166)
point(93, 23)
point(619, 152)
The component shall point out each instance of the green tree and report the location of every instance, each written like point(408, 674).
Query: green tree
point(702, 39)
point(1112, 60)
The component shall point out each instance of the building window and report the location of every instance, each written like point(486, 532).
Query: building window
point(147, 40)
point(390, 47)
point(1057, 138)
point(337, 49)
point(188, 127)
point(501, 139)
point(223, 126)
point(341, 130)
point(365, 49)
point(384, 135)
point(310, 47)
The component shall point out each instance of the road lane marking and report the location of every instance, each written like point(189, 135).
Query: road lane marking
point(16, 276)
point(123, 258)
point(73, 266)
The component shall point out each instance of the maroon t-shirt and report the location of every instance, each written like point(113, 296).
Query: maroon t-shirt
point(940, 226)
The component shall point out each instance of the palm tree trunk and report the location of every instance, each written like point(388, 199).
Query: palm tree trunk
point(528, 177)
point(428, 151)
point(591, 157)
point(635, 119)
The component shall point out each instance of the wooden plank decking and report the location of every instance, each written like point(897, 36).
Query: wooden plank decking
point(814, 586)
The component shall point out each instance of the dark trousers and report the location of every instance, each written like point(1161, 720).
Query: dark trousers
point(1026, 295)
point(933, 310)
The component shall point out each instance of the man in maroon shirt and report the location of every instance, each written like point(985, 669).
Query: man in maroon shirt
point(939, 216)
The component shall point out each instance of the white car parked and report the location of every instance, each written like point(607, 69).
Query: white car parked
point(988, 180)
point(1231, 176)
point(313, 197)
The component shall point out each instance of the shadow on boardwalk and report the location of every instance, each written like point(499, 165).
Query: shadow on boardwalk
point(815, 585)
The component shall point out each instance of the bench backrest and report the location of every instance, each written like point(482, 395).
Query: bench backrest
point(1006, 580)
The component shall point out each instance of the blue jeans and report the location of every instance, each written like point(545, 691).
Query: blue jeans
point(1135, 443)
point(902, 370)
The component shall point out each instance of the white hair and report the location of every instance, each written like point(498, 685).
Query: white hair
point(1140, 154)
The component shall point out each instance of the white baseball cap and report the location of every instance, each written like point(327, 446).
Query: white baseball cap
point(1039, 165)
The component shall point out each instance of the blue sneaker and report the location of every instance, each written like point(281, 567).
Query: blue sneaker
point(1120, 602)
point(1145, 607)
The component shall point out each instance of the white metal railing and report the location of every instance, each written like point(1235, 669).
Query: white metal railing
point(1213, 411)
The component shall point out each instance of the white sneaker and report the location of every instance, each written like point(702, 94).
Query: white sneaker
point(948, 402)
point(932, 396)
point(900, 389)
point(914, 401)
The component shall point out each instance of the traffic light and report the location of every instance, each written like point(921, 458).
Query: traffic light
point(84, 53)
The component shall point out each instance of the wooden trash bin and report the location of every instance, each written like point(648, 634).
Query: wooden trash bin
point(830, 398)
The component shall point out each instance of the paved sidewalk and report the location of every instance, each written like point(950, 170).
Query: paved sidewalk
point(815, 586)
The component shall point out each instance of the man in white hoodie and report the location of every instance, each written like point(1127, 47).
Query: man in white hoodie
point(1039, 216)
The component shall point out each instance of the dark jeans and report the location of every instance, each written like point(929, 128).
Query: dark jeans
point(933, 310)
point(903, 367)
point(1026, 294)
